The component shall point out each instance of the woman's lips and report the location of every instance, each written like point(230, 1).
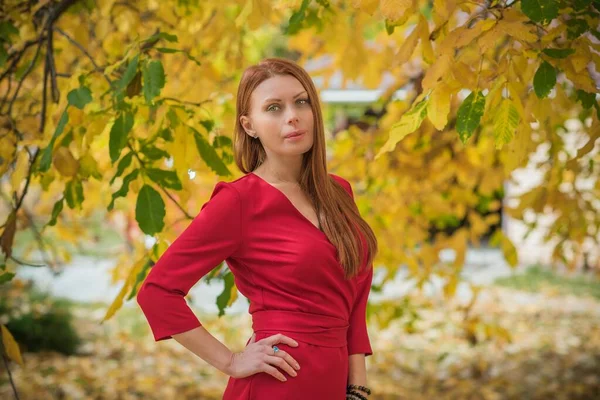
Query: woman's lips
point(295, 134)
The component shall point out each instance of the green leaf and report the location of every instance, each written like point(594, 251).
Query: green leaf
point(6, 277)
point(58, 206)
point(544, 79)
point(166, 134)
point(154, 153)
point(46, 159)
point(587, 99)
point(80, 97)
point(469, 115)
point(153, 76)
point(506, 121)
point(74, 193)
point(576, 27)
point(7, 30)
point(3, 55)
point(558, 53)
point(122, 192)
point(150, 210)
point(118, 135)
point(409, 122)
point(541, 11)
point(225, 296)
point(295, 22)
point(139, 279)
point(173, 118)
point(209, 155)
point(579, 5)
point(208, 124)
point(66, 140)
point(167, 179)
point(129, 73)
point(222, 141)
point(161, 35)
point(123, 164)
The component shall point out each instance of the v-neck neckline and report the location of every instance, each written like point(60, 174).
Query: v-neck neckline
point(288, 201)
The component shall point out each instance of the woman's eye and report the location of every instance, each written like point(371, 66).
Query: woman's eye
point(271, 107)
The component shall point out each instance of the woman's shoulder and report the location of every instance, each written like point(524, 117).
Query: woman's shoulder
point(239, 187)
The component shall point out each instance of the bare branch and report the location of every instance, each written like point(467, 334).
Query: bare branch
point(84, 51)
point(27, 72)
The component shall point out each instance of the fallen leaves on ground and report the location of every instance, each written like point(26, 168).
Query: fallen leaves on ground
point(554, 353)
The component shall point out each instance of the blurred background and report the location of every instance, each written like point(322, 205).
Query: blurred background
point(468, 130)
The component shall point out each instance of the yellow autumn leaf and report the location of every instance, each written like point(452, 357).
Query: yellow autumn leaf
point(518, 30)
point(426, 48)
point(11, 346)
point(368, 6)
point(579, 62)
point(395, 10)
point(64, 162)
point(409, 123)
point(436, 71)
point(581, 80)
point(439, 106)
point(127, 285)
point(506, 120)
point(463, 36)
point(21, 170)
point(408, 47)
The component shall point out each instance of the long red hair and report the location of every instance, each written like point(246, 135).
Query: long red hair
point(335, 208)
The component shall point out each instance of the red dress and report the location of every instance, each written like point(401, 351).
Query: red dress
point(290, 273)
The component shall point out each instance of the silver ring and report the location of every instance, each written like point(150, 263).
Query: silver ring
point(275, 349)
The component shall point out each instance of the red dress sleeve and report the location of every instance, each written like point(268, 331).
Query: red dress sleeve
point(213, 236)
point(358, 336)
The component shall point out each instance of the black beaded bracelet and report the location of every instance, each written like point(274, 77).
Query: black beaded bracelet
point(361, 388)
point(355, 395)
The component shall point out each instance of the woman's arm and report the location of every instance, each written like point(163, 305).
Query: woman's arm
point(357, 373)
point(203, 344)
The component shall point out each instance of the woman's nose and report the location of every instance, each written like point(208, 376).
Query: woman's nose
point(292, 119)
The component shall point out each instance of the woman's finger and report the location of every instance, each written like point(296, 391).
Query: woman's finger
point(274, 372)
point(288, 358)
point(282, 364)
point(279, 338)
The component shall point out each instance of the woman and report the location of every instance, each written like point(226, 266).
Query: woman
point(295, 243)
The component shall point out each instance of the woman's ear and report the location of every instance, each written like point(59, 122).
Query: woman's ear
point(247, 125)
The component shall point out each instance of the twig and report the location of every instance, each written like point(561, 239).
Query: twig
point(7, 93)
point(84, 51)
point(26, 188)
point(188, 102)
point(12, 383)
point(19, 54)
point(27, 72)
point(44, 96)
point(29, 264)
point(188, 216)
point(51, 66)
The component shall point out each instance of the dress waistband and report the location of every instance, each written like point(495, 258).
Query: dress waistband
point(317, 329)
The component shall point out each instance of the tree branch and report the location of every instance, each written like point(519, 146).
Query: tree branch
point(188, 216)
point(84, 51)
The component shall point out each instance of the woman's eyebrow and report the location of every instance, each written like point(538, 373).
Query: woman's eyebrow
point(267, 100)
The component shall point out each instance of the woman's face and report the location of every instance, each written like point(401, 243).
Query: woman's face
point(280, 106)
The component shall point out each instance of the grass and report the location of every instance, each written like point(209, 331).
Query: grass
point(537, 278)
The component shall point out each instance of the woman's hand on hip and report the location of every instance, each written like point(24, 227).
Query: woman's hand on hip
point(261, 357)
